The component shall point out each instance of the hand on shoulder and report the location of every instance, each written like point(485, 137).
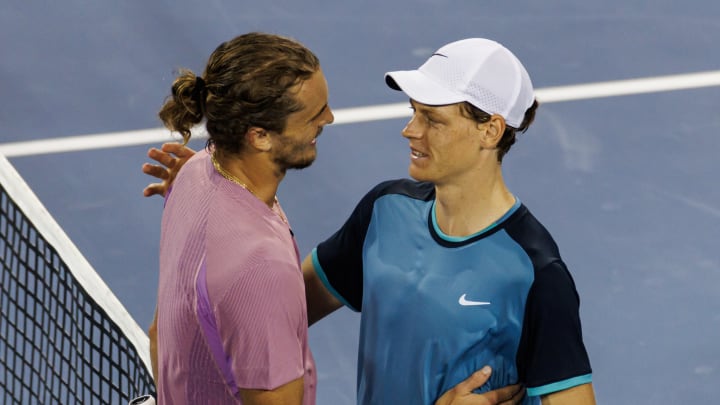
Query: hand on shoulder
point(171, 157)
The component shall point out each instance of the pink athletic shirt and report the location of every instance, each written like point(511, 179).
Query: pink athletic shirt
point(231, 297)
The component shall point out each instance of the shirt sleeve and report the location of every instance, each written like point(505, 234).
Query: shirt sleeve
point(338, 260)
point(263, 324)
point(552, 356)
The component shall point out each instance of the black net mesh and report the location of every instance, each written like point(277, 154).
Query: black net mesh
point(57, 345)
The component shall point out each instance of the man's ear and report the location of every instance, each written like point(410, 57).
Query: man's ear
point(259, 139)
point(494, 130)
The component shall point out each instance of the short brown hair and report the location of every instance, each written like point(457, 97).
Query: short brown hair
point(508, 137)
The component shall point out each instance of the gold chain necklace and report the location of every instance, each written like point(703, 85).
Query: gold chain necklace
point(221, 170)
point(229, 176)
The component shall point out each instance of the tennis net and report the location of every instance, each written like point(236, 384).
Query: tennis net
point(64, 336)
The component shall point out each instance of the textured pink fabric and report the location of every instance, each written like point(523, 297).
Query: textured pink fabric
point(254, 284)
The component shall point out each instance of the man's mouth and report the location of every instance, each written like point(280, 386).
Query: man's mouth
point(314, 141)
point(416, 154)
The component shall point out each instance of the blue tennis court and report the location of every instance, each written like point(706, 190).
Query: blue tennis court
point(624, 179)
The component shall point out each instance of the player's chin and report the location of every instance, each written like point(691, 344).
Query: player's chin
point(305, 161)
point(418, 174)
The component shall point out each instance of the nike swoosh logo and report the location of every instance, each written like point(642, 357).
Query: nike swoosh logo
point(439, 54)
point(464, 302)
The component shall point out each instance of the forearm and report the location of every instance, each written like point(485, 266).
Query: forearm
point(288, 394)
point(320, 302)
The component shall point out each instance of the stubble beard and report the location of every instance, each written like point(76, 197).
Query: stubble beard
point(295, 159)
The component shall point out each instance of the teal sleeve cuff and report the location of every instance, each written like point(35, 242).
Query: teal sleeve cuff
point(559, 386)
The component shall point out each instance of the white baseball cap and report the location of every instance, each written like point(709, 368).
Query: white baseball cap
point(477, 70)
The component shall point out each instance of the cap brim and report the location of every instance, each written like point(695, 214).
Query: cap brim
point(422, 88)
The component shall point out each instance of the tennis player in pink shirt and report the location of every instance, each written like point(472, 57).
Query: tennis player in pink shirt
point(231, 311)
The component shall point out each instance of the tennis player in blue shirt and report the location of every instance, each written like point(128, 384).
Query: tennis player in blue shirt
point(450, 271)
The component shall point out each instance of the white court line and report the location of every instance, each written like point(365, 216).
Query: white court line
point(370, 113)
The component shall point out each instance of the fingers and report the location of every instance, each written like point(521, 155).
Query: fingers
point(162, 157)
point(154, 189)
point(477, 379)
point(177, 149)
point(157, 171)
point(465, 388)
point(510, 395)
point(171, 156)
point(517, 398)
